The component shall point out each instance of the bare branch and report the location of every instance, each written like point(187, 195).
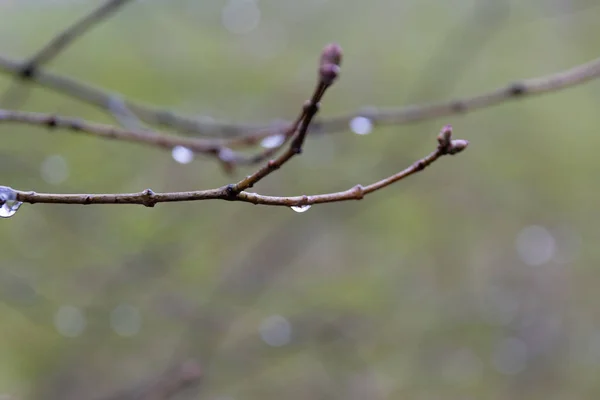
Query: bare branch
point(60, 42)
point(206, 146)
point(102, 99)
point(66, 37)
point(78, 125)
point(512, 91)
point(329, 68)
point(149, 198)
point(414, 113)
point(211, 147)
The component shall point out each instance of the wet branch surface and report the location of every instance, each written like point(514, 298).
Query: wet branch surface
point(222, 138)
point(236, 192)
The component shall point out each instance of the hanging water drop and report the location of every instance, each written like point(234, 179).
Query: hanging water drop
point(271, 142)
point(182, 154)
point(9, 208)
point(300, 209)
point(361, 125)
point(8, 202)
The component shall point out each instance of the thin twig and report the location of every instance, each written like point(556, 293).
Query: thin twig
point(149, 198)
point(329, 69)
point(512, 91)
point(211, 147)
point(30, 67)
point(198, 145)
point(102, 99)
point(397, 116)
point(66, 37)
point(78, 125)
point(309, 111)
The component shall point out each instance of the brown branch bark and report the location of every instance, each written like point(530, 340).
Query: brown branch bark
point(157, 139)
point(328, 72)
point(251, 132)
point(102, 99)
point(148, 198)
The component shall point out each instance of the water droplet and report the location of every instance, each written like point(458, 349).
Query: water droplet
point(182, 155)
point(125, 320)
point(8, 202)
point(227, 155)
point(271, 142)
point(275, 331)
point(69, 321)
point(535, 245)
point(54, 169)
point(361, 125)
point(9, 208)
point(240, 16)
point(300, 209)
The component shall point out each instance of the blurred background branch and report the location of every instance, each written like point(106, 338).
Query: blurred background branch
point(66, 37)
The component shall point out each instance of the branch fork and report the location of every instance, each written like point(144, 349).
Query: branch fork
point(328, 73)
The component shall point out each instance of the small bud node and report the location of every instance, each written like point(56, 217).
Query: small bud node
point(328, 73)
point(458, 145)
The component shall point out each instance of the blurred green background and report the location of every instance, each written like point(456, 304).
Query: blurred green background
point(476, 279)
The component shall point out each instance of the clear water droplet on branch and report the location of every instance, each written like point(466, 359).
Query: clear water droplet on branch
point(300, 209)
point(9, 208)
point(182, 155)
point(361, 125)
point(8, 202)
point(271, 142)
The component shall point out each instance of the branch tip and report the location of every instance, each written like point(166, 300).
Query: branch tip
point(7, 194)
point(458, 145)
point(329, 65)
point(331, 54)
point(445, 136)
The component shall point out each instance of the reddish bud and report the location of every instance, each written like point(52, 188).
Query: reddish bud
point(328, 73)
point(458, 145)
point(445, 136)
point(331, 54)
